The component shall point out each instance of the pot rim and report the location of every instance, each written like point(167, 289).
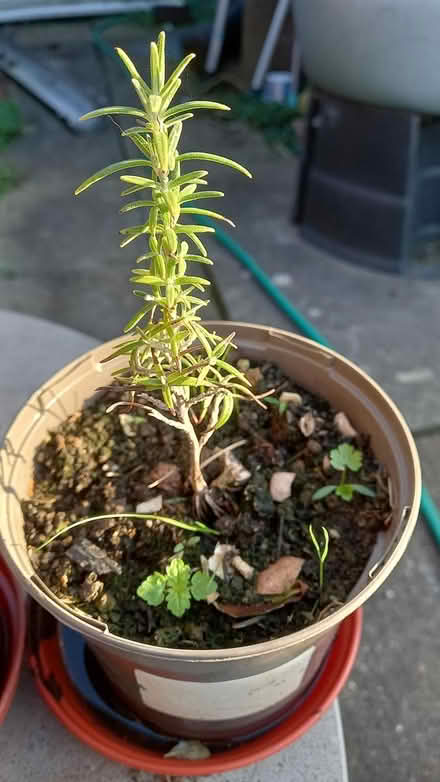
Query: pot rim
point(17, 620)
point(99, 631)
point(83, 722)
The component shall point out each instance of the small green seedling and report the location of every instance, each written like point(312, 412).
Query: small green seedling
point(344, 458)
point(192, 526)
point(282, 406)
point(179, 548)
point(177, 586)
point(321, 551)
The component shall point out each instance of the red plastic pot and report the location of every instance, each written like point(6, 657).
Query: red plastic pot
point(12, 637)
point(60, 695)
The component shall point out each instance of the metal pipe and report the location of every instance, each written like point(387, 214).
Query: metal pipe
point(39, 11)
point(217, 36)
point(265, 57)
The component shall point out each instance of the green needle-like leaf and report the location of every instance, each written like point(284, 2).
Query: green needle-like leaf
point(137, 317)
point(132, 69)
point(135, 229)
point(324, 491)
point(114, 110)
point(224, 161)
point(139, 180)
point(179, 118)
point(137, 130)
point(108, 170)
point(133, 189)
point(192, 105)
point(199, 259)
point(187, 280)
point(185, 198)
point(226, 411)
point(191, 177)
point(194, 229)
point(161, 58)
point(178, 71)
point(136, 205)
point(199, 244)
point(196, 526)
point(148, 279)
point(193, 211)
point(230, 369)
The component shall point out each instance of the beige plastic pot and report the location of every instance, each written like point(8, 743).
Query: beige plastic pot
point(218, 694)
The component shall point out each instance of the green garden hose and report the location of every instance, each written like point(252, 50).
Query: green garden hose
point(428, 507)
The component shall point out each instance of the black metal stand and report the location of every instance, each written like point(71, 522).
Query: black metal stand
point(369, 186)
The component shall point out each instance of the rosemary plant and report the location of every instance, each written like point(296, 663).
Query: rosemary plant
point(168, 350)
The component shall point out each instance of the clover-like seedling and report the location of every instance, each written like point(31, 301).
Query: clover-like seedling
point(344, 458)
point(175, 368)
point(321, 552)
point(177, 587)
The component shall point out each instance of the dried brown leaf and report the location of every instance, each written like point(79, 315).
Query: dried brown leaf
point(279, 577)
point(189, 750)
point(238, 611)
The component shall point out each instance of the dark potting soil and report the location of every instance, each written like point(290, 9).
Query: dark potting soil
point(98, 462)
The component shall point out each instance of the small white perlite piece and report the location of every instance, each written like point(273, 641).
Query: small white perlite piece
point(223, 700)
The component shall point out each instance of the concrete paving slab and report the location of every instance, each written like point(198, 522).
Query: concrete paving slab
point(390, 705)
point(35, 747)
point(32, 352)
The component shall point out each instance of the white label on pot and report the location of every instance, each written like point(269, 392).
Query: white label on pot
point(223, 700)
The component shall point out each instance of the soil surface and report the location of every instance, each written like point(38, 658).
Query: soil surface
point(98, 462)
